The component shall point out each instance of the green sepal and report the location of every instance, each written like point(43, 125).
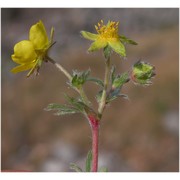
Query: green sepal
point(96, 80)
point(103, 169)
point(75, 167)
point(119, 80)
point(126, 40)
point(79, 78)
point(89, 161)
point(107, 52)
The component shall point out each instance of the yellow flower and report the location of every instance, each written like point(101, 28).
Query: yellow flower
point(107, 35)
point(30, 54)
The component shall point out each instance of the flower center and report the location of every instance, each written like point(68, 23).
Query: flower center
point(107, 31)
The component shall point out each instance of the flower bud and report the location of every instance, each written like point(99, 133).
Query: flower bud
point(142, 73)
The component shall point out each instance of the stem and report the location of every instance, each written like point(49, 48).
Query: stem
point(95, 136)
point(60, 68)
point(106, 83)
point(63, 70)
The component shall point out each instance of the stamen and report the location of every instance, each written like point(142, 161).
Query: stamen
point(107, 31)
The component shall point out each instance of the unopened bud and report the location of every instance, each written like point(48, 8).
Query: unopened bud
point(142, 73)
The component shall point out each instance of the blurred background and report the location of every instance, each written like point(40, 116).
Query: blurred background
point(139, 135)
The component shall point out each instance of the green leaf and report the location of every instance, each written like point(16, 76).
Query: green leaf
point(77, 103)
point(99, 95)
point(89, 161)
point(88, 35)
point(125, 40)
point(79, 78)
point(107, 52)
point(75, 167)
point(96, 80)
point(62, 109)
point(103, 169)
point(113, 69)
point(114, 94)
point(118, 47)
point(119, 80)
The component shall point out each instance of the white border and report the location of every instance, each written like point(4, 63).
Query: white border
point(90, 3)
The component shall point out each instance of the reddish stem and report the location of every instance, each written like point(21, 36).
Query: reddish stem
point(95, 134)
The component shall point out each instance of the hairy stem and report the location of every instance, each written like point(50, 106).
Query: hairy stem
point(64, 71)
point(95, 136)
point(106, 83)
point(60, 68)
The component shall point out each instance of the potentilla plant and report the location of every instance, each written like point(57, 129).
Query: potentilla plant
point(33, 53)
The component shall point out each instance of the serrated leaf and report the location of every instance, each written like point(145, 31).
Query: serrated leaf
point(61, 109)
point(120, 80)
point(114, 94)
point(113, 69)
point(103, 169)
point(79, 78)
point(99, 95)
point(126, 40)
point(89, 161)
point(125, 96)
point(53, 106)
point(96, 80)
point(75, 167)
point(77, 103)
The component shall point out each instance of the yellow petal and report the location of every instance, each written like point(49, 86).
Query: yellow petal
point(24, 52)
point(23, 67)
point(88, 35)
point(38, 36)
point(118, 47)
point(97, 45)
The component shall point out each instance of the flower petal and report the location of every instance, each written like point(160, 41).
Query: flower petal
point(97, 45)
point(23, 67)
point(38, 36)
point(24, 52)
point(118, 47)
point(88, 35)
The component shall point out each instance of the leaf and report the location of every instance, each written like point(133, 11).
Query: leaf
point(113, 69)
point(124, 96)
point(119, 80)
point(75, 167)
point(125, 40)
point(77, 103)
point(103, 169)
point(62, 109)
point(79, 78)
point(89, 161)
point(114, 94)
point(99, 95)
point(96, 80)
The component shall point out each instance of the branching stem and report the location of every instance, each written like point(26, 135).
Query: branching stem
point(102, 103)
point(65, 72)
